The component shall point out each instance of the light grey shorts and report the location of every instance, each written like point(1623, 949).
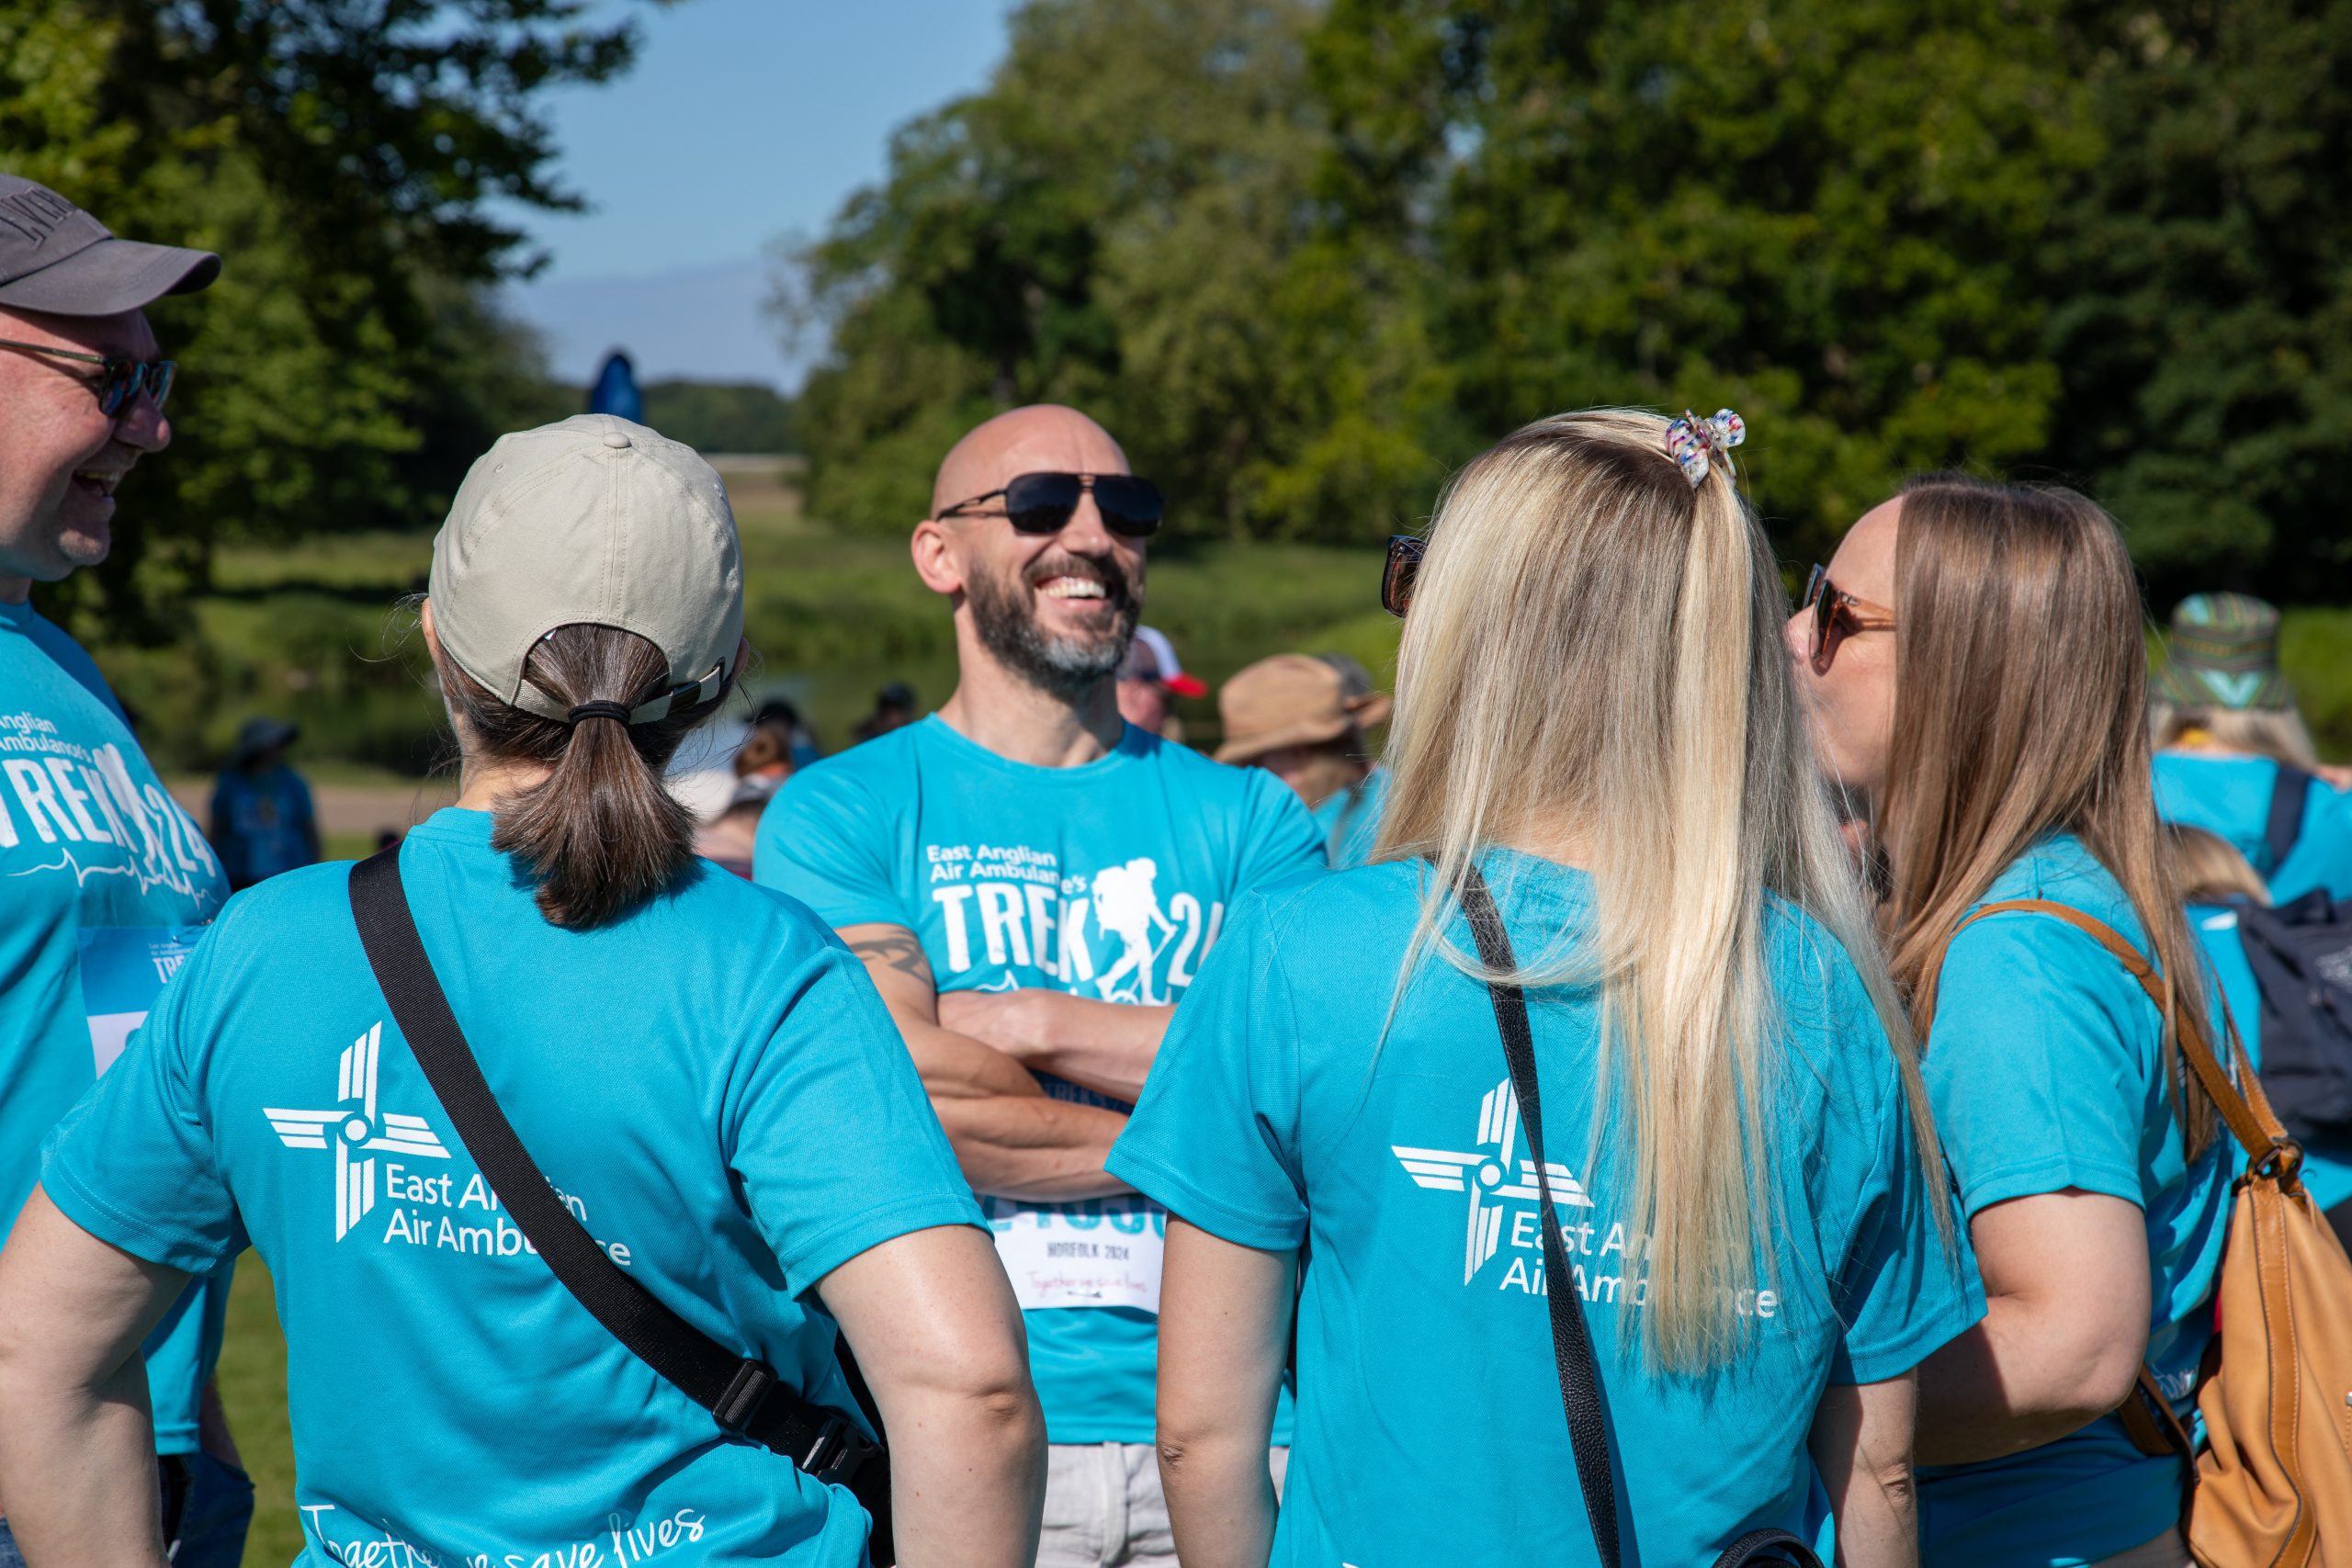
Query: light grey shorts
point(1104, 1507)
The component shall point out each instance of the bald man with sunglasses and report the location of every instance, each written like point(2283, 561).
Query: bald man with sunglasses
point(1032, 882)
point(103, 878)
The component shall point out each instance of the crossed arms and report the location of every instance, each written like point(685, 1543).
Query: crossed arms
point(978, 1051)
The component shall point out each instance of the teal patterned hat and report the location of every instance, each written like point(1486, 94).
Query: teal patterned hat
point(2225, 655)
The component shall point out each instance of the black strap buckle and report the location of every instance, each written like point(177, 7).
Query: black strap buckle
point(840, 1452)
point(746, 1391)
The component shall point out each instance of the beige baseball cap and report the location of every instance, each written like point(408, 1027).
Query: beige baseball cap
point(594, 520)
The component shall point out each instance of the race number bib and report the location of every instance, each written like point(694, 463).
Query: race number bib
point(122, 969)
point(1103, 1252)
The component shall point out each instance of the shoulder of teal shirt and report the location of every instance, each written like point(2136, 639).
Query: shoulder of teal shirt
point(826, 838)
point(2039, 1053)
point(63, 651)
point(2323, 853)
point(1281, 837)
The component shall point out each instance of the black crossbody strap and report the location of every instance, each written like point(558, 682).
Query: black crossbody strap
point(1571, 1340)
point(743, 1393)
point(2288, 794)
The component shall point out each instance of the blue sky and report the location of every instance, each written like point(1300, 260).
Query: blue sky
point(744, 120)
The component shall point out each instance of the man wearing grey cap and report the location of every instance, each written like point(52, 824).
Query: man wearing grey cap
point(103, 878)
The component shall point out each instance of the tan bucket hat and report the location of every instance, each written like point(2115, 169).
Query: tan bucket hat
point(1292, 699)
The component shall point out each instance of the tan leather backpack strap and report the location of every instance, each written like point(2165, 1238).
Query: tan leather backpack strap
point(2257, 1102)
point(2248, 1113)
point(1923, 1001)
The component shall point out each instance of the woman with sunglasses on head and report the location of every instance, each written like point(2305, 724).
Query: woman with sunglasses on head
point(529, 1105)
point(1595, 726)
point(1975, 658)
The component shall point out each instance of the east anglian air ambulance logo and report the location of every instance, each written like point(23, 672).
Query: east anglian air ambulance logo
point(356, 1125)
point(1493, 1176)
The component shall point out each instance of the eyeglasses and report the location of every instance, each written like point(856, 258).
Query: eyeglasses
point(1405, 553)
point(120, 380)
point(1837, 615)
point(1044, 503)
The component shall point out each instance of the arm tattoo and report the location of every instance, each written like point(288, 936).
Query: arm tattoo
point(900, 950)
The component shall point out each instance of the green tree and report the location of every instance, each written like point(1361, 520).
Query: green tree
point(1304, 257)
point(1122, 219)
point(2202, 301)
point(1822, 214)
point(722, 416)
point(340, 155)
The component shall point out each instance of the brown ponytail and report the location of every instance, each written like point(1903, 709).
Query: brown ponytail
point(600, 834)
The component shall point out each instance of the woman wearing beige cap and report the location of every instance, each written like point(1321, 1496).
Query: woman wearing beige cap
point(1295, 716)
point(567, 1151)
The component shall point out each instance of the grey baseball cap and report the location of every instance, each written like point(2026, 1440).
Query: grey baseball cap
point(56, 257)
point(591, 520)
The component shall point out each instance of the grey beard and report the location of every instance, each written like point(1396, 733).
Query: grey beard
point(1065, 666)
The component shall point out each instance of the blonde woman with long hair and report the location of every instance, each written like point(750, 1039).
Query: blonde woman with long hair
point(1594, 716)
point(1973, 653)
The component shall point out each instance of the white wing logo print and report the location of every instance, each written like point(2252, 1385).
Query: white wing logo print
point(1484, 1173)
point(356, 1125)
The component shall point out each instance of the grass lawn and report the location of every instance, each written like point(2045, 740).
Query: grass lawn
point(253, 1388)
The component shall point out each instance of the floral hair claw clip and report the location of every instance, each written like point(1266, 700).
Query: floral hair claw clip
point(1693, 442)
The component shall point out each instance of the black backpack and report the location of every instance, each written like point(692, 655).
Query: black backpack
point(2300, 953)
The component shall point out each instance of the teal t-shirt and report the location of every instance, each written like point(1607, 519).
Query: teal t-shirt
point(711, 1083)
point(2229, 796)
point(266, 823)
point(1110, 880)
point(1290, 1108)
point(1350, 820)
point(95, 856)
point(2328, 1172)
point(2045, 1066)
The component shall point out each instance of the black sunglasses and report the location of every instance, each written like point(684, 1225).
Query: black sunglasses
point(119, 380)
point(1405, 553)
point(1044, 503)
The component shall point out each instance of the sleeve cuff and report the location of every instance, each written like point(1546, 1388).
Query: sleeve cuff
point(863, 915)
point(166, 1245)
point(1197, 1208)
point(2055, 1174)
point(869, 1228)
point(1877, 1361)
